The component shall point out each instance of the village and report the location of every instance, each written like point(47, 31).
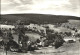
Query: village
point(34, 37)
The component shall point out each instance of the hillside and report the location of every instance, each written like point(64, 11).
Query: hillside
point(37, 18)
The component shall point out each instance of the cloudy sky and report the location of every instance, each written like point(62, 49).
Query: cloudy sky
point(55, 7)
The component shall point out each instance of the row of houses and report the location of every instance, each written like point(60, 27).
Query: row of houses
point(35, 27)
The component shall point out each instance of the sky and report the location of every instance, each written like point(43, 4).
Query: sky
point(54, 7)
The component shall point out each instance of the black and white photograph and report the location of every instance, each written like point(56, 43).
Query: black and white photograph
point(39, 27)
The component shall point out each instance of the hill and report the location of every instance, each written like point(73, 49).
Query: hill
point(37, 18)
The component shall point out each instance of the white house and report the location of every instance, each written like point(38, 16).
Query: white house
point(66, 39)
point(6, 26)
